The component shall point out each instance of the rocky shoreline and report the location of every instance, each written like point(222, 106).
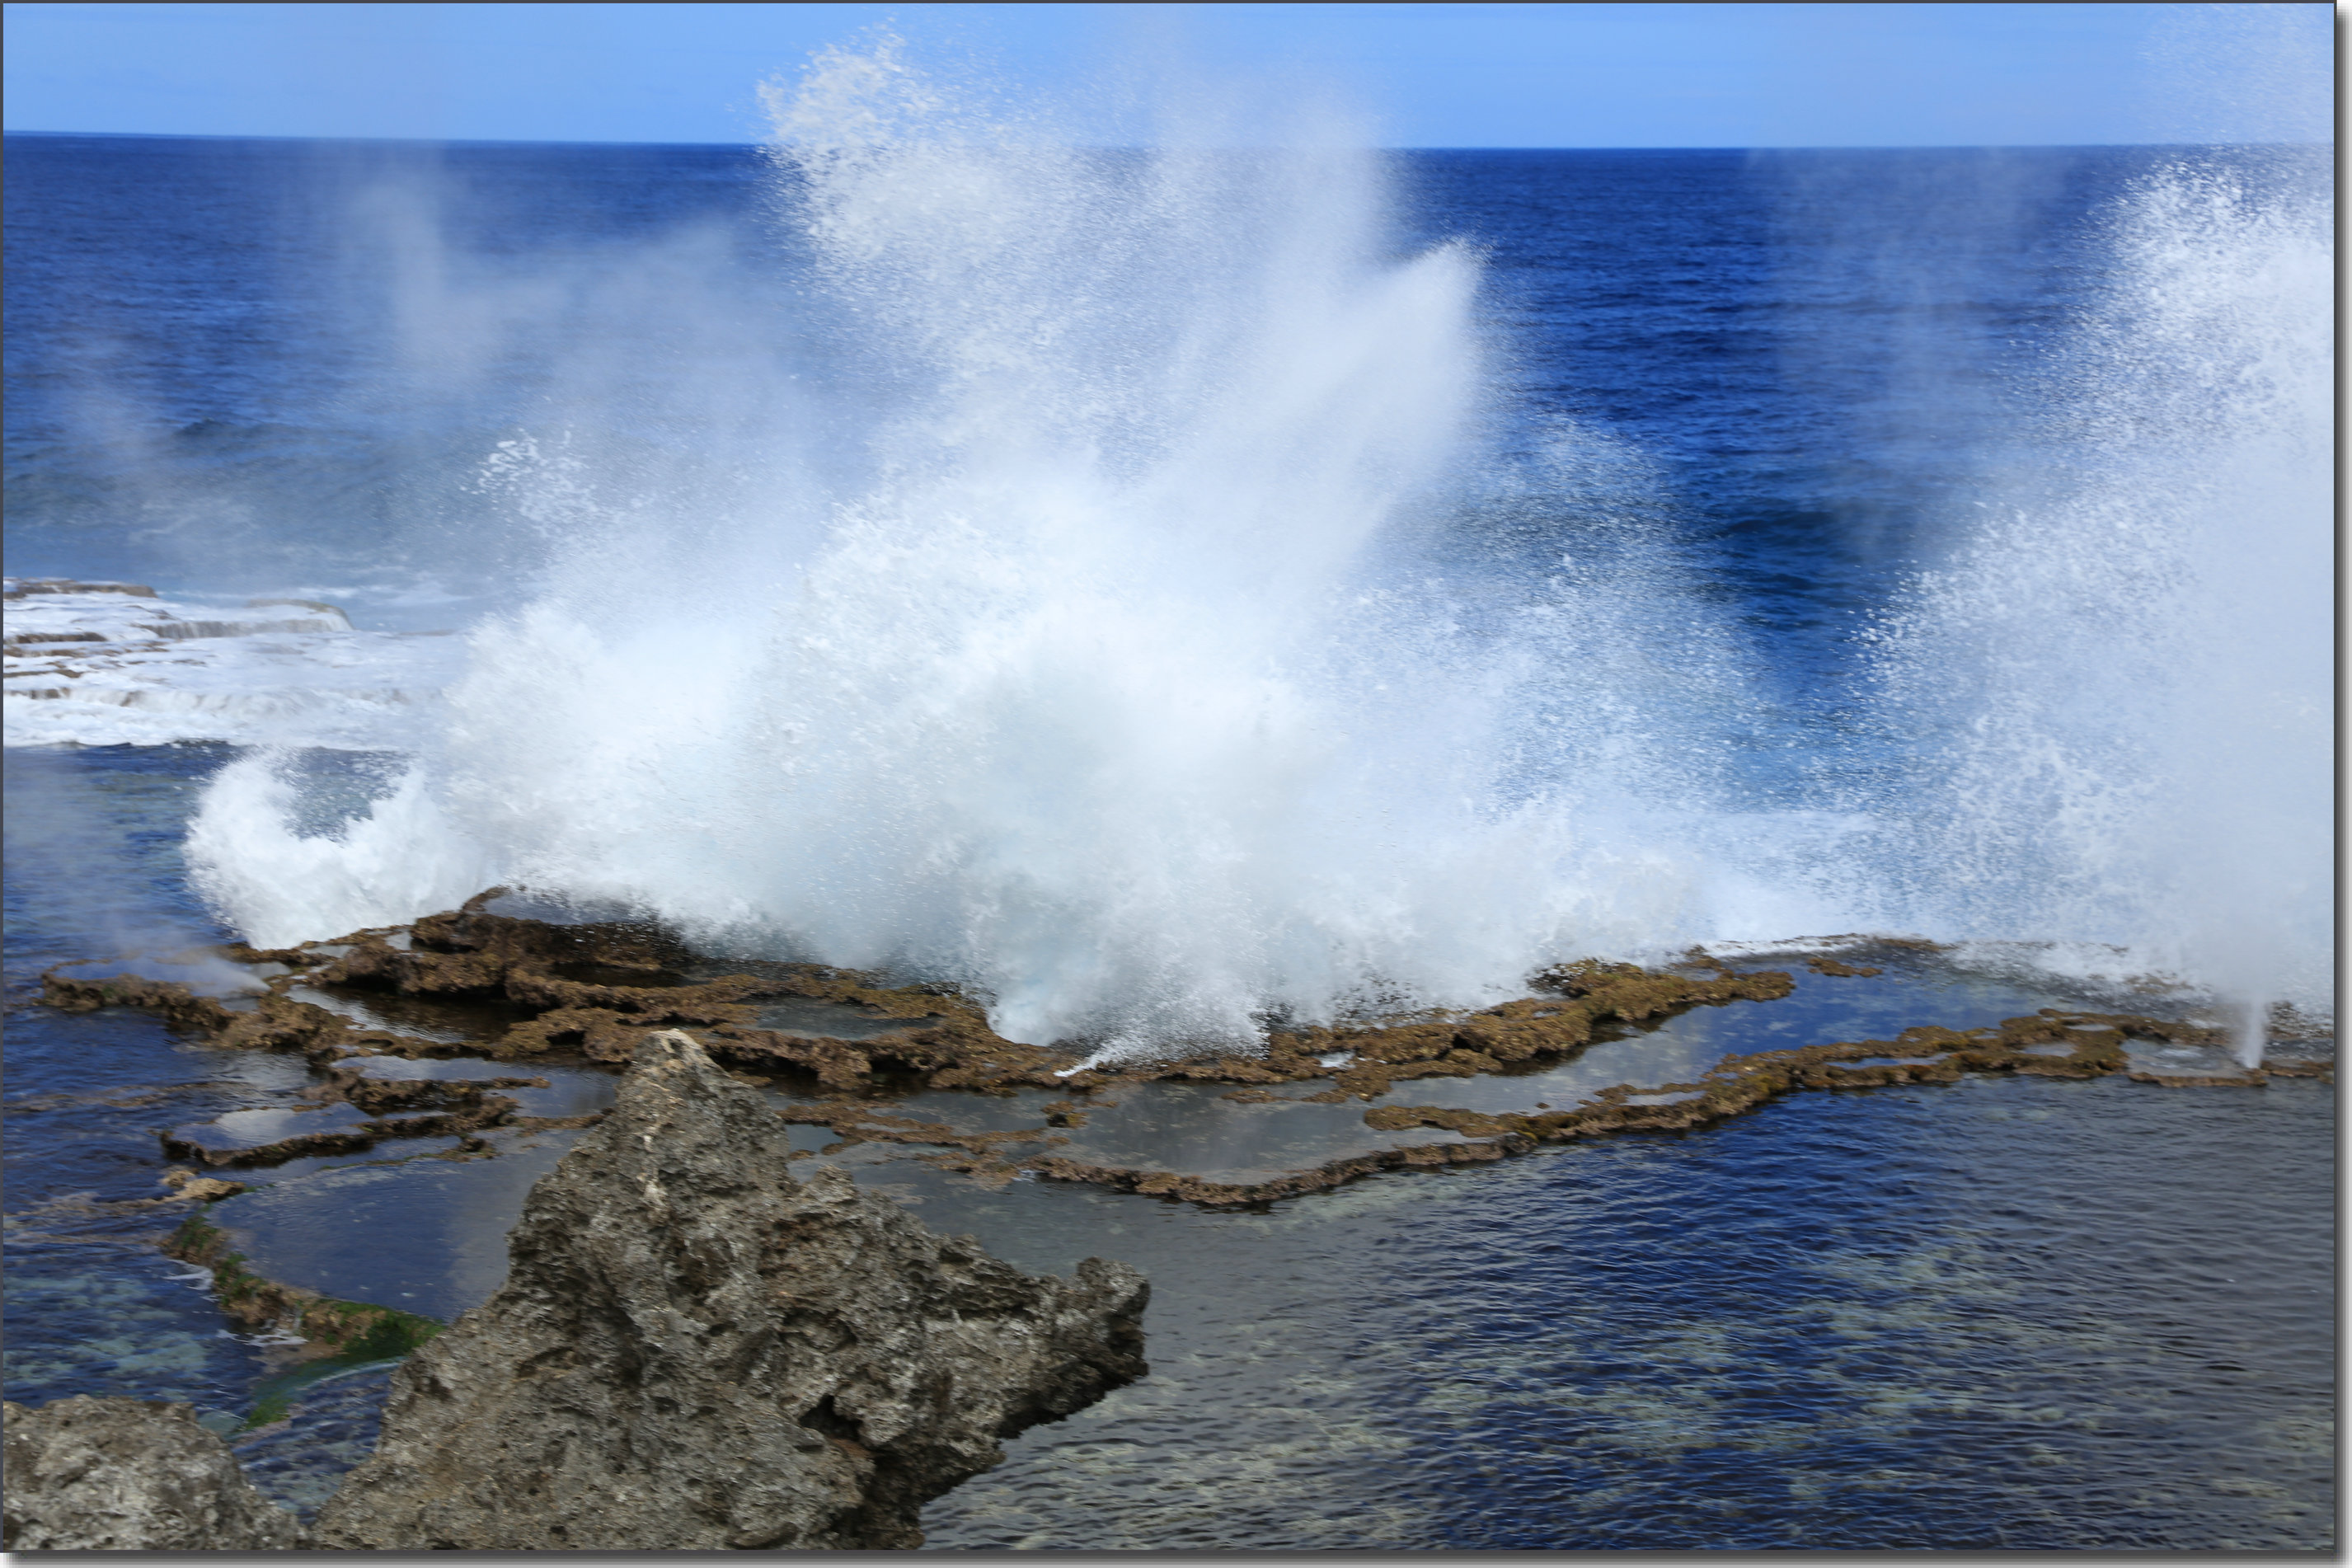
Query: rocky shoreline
point(691, 1351)
point(124, 1475)
point(88, 663)
point(590, 994)
point(673, 1244)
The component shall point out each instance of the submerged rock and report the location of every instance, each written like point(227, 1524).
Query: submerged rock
point(120, 1475)
point(695, 1351)
point(327, 1325)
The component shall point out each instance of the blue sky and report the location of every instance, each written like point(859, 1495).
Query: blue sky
point(1589, 75)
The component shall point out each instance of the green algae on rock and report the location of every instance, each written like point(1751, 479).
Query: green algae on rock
point(328, 1326)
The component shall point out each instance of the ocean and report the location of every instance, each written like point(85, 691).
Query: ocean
point(1170, 595)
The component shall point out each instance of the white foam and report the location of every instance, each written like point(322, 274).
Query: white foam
point(397, 860)
point(98, 669)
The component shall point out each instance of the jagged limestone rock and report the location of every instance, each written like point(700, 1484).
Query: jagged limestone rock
point(693, 1350)
point(121, 1475)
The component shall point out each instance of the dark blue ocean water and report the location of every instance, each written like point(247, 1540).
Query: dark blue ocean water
point(2015, 1315)
point(251, 366)
point(211, 379)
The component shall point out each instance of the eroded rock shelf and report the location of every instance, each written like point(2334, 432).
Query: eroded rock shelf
point(851, 1053)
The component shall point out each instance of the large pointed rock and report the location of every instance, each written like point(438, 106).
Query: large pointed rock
point(693, 1350)
point(124, 1475)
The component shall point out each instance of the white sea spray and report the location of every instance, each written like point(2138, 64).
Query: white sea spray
point(2117, 697)
point(1106, 685)
point(397, 859)
point(1056, 619)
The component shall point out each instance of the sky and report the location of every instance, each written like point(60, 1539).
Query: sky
point(1454, 75)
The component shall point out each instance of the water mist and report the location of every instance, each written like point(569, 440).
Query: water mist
point(1104, 681)
point(2119, 696)
point(1066, 601)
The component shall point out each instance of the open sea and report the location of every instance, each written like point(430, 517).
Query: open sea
point(1169, 595)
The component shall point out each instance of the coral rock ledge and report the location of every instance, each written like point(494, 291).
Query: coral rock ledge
point(694, 1350)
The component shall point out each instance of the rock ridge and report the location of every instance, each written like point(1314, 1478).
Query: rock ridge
point(695, 1351)
point(86, 1474)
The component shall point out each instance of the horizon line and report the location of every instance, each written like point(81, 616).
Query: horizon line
point(757, 146)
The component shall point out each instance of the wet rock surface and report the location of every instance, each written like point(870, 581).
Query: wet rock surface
point(904, 1088)
point(596, 990)
point(123, 1475)
point(485, 981)
point(693, 1351)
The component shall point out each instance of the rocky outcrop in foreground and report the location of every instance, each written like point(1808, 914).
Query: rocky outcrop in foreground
point(118, 1475)
point(694, 1350)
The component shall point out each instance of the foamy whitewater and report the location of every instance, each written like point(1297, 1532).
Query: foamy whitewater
point(114, 665)
point(1093, 660)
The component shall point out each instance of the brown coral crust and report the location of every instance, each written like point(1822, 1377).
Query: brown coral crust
point(2092, 1046)
point(565, 978)
point(598, 991)
point(468, 1114)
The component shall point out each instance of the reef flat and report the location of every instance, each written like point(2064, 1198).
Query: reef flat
point(852, 1052)
point(339, 1193)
